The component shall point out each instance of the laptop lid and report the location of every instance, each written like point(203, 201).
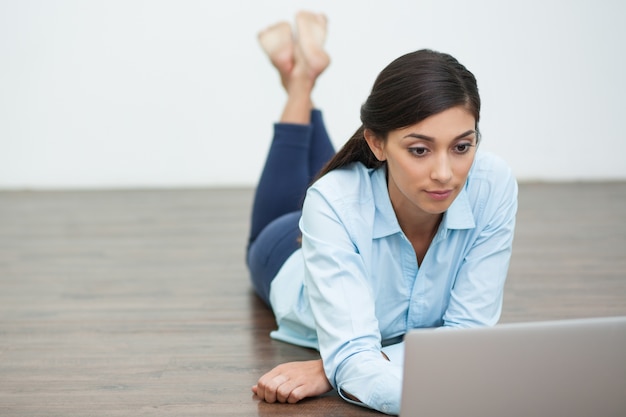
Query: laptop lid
point(570, 368)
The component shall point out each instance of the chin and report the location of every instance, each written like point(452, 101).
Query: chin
point(438, 208)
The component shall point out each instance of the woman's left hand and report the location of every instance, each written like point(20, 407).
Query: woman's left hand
point(292, 382)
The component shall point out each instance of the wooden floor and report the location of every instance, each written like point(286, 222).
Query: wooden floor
point(132, 303)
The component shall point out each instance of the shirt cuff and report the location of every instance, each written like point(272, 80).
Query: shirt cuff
point(376, 382)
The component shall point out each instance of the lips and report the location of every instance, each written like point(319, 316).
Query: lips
point(439, 195)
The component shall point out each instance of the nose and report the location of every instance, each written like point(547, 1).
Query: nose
point(442, 169)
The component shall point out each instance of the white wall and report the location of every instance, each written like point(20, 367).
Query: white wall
point(129, 93)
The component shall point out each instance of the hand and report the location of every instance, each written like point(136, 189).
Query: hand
point(292, 382)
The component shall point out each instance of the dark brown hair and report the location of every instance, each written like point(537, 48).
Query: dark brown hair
point(410, 89)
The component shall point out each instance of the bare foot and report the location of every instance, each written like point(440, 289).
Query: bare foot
point(311, 34)
point(277, 42)
point(299, 61)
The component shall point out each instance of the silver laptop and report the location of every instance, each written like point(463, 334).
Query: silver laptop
point(569, 368)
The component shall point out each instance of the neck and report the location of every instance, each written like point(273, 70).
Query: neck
point(419, 227)
point(414, 222)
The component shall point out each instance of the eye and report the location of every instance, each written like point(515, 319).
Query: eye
point(418, 151)
point(462, 148)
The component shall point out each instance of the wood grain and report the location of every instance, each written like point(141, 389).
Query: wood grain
point(117, 303)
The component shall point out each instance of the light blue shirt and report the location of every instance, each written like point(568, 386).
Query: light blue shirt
point(356, 282)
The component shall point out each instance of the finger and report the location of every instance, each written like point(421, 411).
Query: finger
point(260, 390)
point(284, 390)
point(270, 388)
point(297, 394)
point(260, 387)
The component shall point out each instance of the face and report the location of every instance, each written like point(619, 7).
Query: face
point(428, 162)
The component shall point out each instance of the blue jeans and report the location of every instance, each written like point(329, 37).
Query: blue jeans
point(297, 153)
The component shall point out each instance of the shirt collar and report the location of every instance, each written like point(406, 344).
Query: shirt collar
point(458, 216)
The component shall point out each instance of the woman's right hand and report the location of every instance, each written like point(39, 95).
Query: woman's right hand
point(292, 382)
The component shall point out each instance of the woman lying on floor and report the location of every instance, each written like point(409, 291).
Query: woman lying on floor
point(407, 226)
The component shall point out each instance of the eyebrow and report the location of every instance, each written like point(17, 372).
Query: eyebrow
point(431, 139)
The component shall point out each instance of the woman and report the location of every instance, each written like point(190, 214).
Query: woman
point(406, 226)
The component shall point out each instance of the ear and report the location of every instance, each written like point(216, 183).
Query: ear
point(377, 145)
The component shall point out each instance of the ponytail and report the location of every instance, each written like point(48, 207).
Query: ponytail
point(355, 149)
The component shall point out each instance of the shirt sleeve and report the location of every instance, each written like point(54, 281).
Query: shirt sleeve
point(476, 296)
point(342, 303)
